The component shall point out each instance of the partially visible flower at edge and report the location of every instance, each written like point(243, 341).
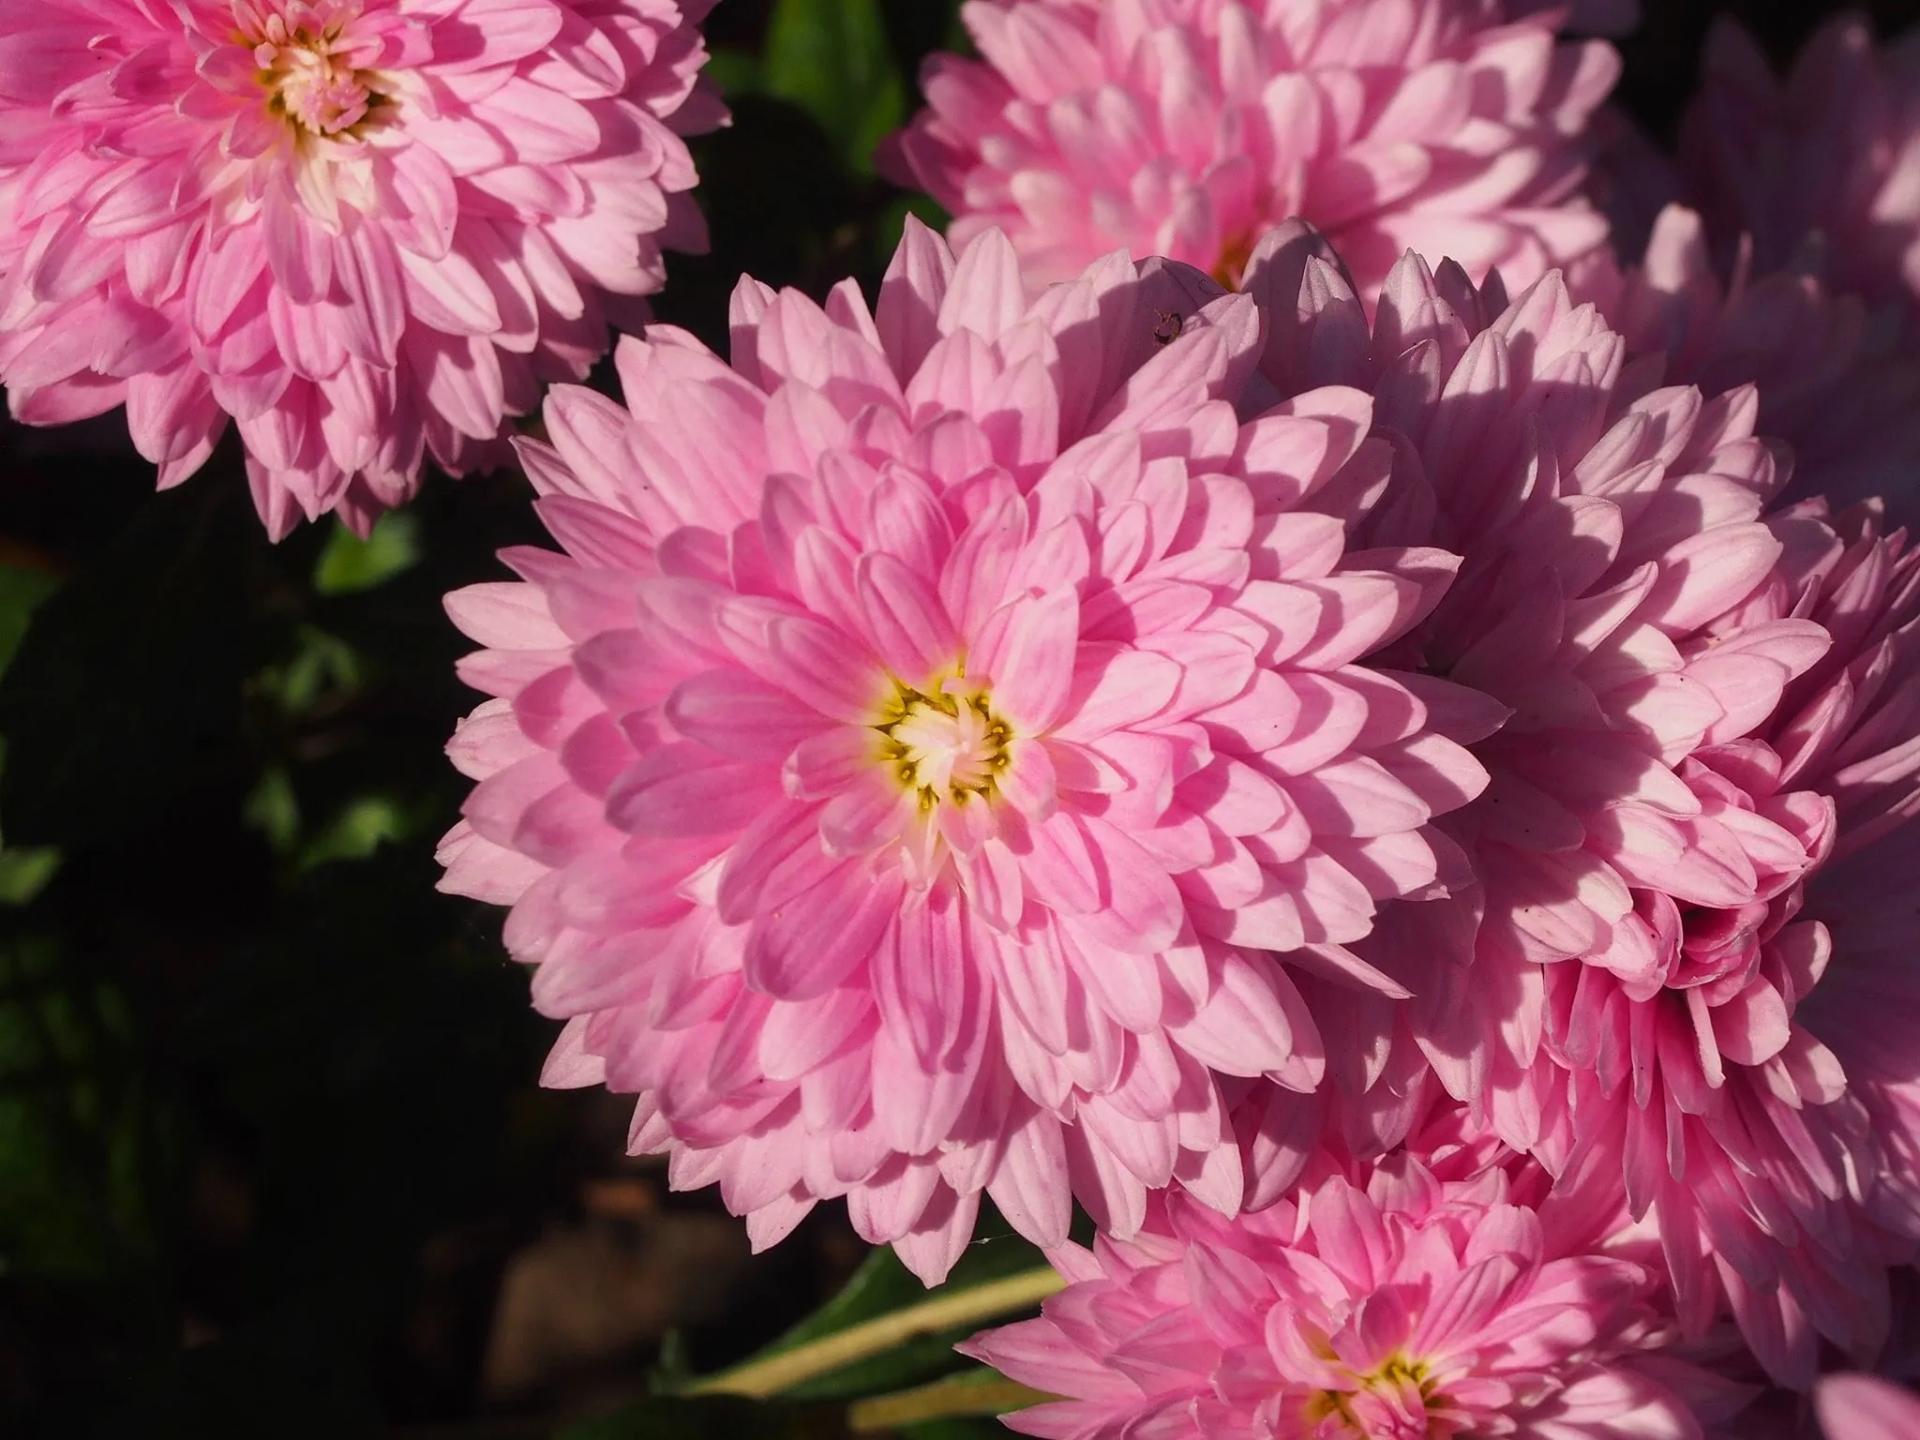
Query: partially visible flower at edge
point(1402, 1306)
point(366, 231)
point(1841, 390)
point(1189, 130)
point(1820, 168)
point(1628, 975)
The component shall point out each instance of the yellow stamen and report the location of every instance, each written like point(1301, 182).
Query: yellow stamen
point(943, 740)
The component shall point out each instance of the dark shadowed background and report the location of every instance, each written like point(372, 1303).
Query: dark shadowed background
point(272, 1158)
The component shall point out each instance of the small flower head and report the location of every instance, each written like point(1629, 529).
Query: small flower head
point(1190, 129)
point(364, 231)
point(1404, 1308)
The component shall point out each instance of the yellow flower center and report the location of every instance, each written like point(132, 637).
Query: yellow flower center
point(1403, 1386)
point(311, 82)
point(1231, 266)
point(944, 742)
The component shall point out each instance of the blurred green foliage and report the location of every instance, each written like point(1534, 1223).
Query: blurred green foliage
point(831, 58)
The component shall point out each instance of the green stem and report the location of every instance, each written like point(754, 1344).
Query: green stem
point(977, 1393)
point(788, 1368)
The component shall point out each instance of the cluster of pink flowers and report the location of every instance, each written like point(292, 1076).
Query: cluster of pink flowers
point(1207, 756)
point(1275, 686)
point(1351, 750)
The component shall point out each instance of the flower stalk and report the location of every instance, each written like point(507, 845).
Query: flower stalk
point(775, 1374)
point(977, 1392)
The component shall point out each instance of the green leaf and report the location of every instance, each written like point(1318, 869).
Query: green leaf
point(323, 667)
point(350, 564)
point(831, 58)
point(21, 590)
point(67, 1131)
point(361, 827)
point(274, 809)
point(25, 871)
point(734, 71)
point(949, 1406)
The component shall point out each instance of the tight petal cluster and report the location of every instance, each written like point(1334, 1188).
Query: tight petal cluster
point(1635, 958)
point(1404, 1306)
point(1852, 729)
point(933, 719)
point(364, 231)
point(1188, 128)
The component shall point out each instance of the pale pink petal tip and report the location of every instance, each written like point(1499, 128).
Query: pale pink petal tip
point(1864, 1407)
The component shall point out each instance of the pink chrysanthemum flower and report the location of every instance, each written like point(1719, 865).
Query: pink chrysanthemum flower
point(365, 230)
point(935, 714)
point(1821, 168)
point(1865, 1407)
point(1412, 1309)
point(1843, 394)
point(1188, 128)
point(1627, 975)
point(1851, 728)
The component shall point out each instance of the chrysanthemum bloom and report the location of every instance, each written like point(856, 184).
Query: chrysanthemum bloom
point(1190, 128)
point(1411, 1309)
point(365, 230)
point(1865, 1407)
point(1843, 393)
point(1822, 167)
point(1851, 729)
point(931, 712)
point(1630, 968)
